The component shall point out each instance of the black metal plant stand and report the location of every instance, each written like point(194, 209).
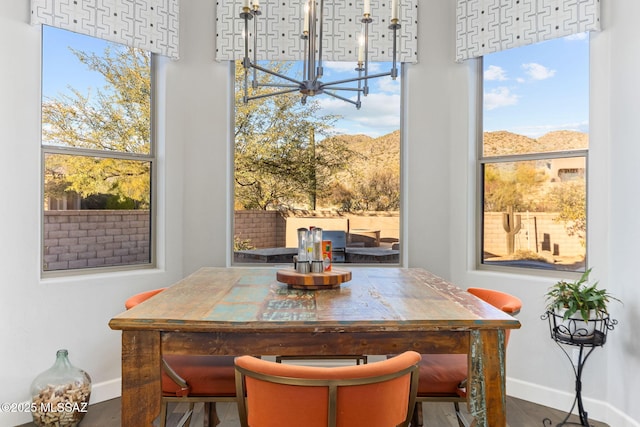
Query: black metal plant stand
point(585, 335)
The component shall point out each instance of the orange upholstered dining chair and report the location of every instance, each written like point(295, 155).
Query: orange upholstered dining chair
point(443, 376)
point(192, 379)
point(380, 394)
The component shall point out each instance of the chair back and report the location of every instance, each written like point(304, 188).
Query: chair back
point(380, 394)
point(141, 297)
point(508, 303)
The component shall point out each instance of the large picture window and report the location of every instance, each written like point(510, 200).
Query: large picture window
point(97, 153)
point(533, 159)
point(322, 164)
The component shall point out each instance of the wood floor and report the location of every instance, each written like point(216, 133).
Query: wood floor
point(520, 413)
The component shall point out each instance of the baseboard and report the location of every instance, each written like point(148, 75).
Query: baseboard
point(535, 393)
point(562, 401)
point(106, 390)
point(99, 393)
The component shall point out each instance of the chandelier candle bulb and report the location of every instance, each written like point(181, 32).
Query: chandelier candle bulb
point(305, 27)
point(312, 35)
point(394, 11)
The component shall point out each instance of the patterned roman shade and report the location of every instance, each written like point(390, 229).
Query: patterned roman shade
point(486, 26)
point(146, 24)
point(280, 26)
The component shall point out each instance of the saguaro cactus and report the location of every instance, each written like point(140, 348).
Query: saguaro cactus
point(512, 225)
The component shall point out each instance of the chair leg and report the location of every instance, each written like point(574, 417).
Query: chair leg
point(416, 419)
point(163, 414)
point(462, 422)
point(210, 415)
point(188, 420)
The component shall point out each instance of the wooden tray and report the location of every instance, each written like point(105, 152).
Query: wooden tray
point(313, 281)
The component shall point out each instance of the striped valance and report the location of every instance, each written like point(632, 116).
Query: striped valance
point(486, 26)
point(280, 26)
point(146, 24)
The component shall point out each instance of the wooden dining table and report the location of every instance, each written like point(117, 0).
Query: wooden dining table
point(379, 311)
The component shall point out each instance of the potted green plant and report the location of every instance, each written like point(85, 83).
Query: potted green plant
point(578, 300)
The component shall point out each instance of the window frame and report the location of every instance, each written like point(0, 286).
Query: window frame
point(402, 210)
point(151, 158)
point(481, 161)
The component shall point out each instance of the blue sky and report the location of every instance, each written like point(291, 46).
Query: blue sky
point(62, 68)
point(539, 88)
point(529, 90)
point(379, 114)
point(380, 110)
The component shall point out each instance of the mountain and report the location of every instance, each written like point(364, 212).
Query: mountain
point(383, 153)
point(375, 154)
point(502, 143)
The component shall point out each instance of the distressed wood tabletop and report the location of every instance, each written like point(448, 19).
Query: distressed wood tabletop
point(234, 311)
point(218, 299)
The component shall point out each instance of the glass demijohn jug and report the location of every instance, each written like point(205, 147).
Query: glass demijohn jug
point(60, 395)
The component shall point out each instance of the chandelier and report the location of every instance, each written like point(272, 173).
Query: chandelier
point(312, 69)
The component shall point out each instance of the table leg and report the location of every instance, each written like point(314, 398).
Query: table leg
point(486, 385)
point(141, 381)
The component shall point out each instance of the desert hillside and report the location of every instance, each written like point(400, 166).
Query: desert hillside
point(374, 154)
point(383, 153)
point(501, 143)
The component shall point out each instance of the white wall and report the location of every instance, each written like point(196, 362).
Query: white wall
point(41, 316)
point(38, 317)
point(621, 199)
point(537, 369)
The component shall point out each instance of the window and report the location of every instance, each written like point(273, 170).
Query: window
point(97, 153)
point(324, 164)
point(534, 155)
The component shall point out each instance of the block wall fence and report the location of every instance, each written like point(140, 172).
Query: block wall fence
point(95, 238)
point(267, 229)
point(261, 229)
point(539, 230)
point(273, 229)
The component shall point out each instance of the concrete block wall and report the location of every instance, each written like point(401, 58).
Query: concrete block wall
point(539, 233)
point(386, 224)
point(95, 238)
point(273, 229)
point(262, 229)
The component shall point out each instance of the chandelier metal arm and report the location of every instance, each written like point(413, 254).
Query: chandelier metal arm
point(312, 35)
point(320, 69)
point(277, 85)
point(275, 73)
point(267, 95)
point(352, 89)
point(355, 79)
point(350, 101)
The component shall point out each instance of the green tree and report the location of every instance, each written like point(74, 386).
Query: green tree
point(114, 119)
point(372, 180)
point(280, 159)
point(569, 200)
point(501, 189)
point(378, 191)
point(513, 184)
